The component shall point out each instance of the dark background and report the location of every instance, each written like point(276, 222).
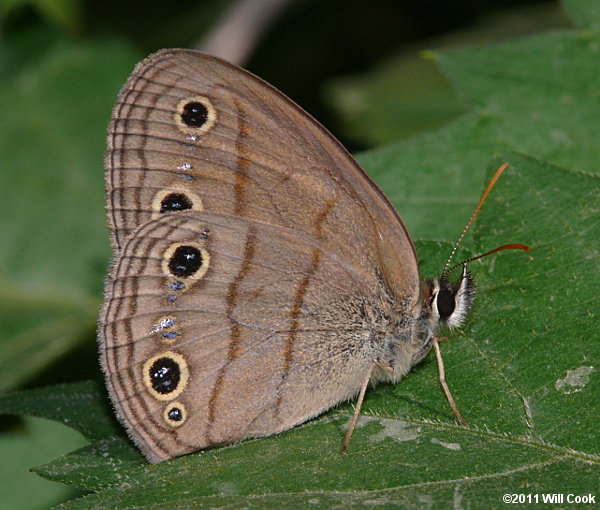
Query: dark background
point(308, 44)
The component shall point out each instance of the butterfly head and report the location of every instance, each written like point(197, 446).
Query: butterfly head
point(450, 302)
point(443, 302)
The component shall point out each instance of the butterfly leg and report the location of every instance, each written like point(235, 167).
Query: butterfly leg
point(357, 407)
point(442, 376)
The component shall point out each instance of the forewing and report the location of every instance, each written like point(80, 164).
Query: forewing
point(255, 155)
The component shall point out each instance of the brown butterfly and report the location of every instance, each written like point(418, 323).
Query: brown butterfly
point(260, 277)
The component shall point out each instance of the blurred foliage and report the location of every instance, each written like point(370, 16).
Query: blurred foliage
point(64, 14)
point(25, 444)
point(358, 70)
point(407, 93)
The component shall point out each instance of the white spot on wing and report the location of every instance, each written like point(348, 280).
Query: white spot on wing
point(186, 166)
point(165, 323)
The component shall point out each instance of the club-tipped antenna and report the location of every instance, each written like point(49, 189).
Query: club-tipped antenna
point(486, 192)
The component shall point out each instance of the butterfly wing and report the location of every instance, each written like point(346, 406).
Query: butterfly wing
point(262, 330)
point(192, 132)
point(254, 259)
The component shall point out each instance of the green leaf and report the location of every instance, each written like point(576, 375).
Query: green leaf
point(54, 241)
point(434, 191)
point(540, 94)
point(76, 405)
point(549, 365)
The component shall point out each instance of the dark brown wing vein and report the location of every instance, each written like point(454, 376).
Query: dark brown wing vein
point(235, 336)
point(288, 356)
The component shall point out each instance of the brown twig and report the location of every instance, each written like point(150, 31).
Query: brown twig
point(239, 29)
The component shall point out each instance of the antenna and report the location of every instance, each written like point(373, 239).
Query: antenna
point(513, 246)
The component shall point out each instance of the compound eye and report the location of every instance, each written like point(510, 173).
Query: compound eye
point(445, 303)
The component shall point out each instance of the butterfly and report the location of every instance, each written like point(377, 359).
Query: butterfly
point(260, 276)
